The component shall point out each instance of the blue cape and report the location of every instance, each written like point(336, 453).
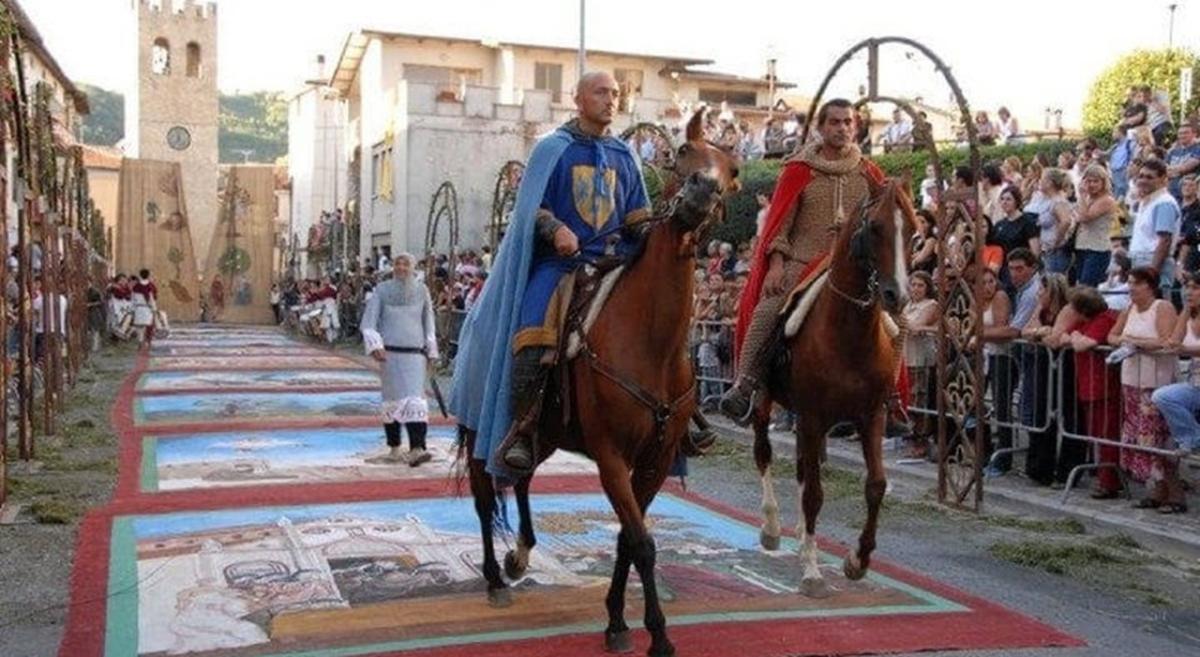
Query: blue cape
point(481, 394)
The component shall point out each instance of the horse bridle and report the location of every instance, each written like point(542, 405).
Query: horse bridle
point(864, 257)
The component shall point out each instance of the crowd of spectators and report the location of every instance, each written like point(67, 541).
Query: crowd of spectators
point(1092, 270)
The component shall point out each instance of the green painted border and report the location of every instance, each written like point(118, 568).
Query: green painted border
point(122, 622)
point(149, 473)
point(139, 417)
point(121, 626)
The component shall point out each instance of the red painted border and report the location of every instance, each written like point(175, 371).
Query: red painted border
point(985, 626)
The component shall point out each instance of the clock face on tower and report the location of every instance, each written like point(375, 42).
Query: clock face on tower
point(179, 138)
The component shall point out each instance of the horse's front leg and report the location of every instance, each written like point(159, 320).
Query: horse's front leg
point(634, 546)
point(484, 494)
point(811, 498)
point(769, 535)
point(648, 478)
point(516, 562)
point(856, 564)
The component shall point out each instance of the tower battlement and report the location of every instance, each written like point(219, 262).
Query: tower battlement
point(171, 111)
point(177, 9)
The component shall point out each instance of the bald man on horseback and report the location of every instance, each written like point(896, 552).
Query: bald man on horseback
point(581, 187)
point(818, 190)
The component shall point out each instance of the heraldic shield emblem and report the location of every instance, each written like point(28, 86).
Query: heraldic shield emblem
point(595, 212)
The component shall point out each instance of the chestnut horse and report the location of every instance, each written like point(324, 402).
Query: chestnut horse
point(841, 369)
point(631, 393)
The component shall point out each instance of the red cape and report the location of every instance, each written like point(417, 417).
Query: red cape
point(793, 179)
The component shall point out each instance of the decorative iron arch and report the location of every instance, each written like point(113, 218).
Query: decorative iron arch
point(443, 207)
point(960, 241)
point(504, 196)
point(663, 155)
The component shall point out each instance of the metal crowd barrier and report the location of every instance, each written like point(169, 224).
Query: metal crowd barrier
point(1061, 413)
point(1037, 394)
point(711, 350)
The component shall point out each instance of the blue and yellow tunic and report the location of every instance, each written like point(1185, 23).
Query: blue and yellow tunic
point(596, 185)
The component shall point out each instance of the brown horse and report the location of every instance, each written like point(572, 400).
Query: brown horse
point(631, 391)
point(841, 369)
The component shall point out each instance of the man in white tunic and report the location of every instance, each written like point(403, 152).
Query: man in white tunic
point(398, 331)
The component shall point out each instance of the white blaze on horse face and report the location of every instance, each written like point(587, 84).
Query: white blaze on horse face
point(901, 273)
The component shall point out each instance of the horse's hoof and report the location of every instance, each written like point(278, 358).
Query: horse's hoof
point(512, 569)
point(768, 542)
point(618, 642)
point(853, 568)
point(814, 588)
point(500, 598)
point(665, 649)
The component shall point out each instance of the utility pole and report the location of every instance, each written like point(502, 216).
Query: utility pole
point(770, 86)
point(1171, 26)
point(582, 29)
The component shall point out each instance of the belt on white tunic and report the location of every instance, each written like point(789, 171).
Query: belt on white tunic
point(406, 350)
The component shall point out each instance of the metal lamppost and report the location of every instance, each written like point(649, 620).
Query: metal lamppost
point(582, 28)
point(1171, 25)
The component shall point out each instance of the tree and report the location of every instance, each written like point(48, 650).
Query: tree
point(1157, 68)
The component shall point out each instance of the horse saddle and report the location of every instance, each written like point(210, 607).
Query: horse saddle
point(592, 286)
point(804, 294)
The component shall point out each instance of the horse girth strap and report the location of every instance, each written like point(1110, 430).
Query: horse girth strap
point(662, 411)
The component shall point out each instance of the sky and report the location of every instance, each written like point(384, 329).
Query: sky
point(1027, 54)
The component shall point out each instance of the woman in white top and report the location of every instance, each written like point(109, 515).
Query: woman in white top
point(1010, 132)
point(1146, 328)
point(921, 317)
point(1002, 372)
point(1179, 402)
point(1094, 214)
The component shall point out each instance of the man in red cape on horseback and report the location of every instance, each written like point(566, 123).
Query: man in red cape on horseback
point(818, 189)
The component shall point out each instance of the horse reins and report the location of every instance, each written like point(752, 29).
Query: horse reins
point(866, 260)
point(663, 412)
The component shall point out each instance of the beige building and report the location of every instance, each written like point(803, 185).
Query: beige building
point(104, 180)
point(421, 110)
point(171, 106)
point(67, 105)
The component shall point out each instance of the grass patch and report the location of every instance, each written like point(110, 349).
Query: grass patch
point(28, 487)
point(1120, 541)
point(1159, 600)
point(54, 512)
point(105, 466)
point(1041, 526)
point(838, 483)
point(1058, 559)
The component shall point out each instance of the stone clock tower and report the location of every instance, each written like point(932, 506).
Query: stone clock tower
point(171, 107)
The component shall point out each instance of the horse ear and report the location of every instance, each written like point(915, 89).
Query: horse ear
point(695, 127)
point(905, 180)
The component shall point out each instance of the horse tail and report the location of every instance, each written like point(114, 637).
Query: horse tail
point(460, 468)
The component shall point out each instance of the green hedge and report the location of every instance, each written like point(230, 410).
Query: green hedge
point(759, 176)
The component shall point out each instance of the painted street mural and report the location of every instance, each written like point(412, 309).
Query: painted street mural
point(242, 379)
point(301, 456)
point(397, 575)
point(234, 407)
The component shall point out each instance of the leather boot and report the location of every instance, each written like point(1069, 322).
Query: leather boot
point(529, 377)
point(738, 402)
point(701, 440)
